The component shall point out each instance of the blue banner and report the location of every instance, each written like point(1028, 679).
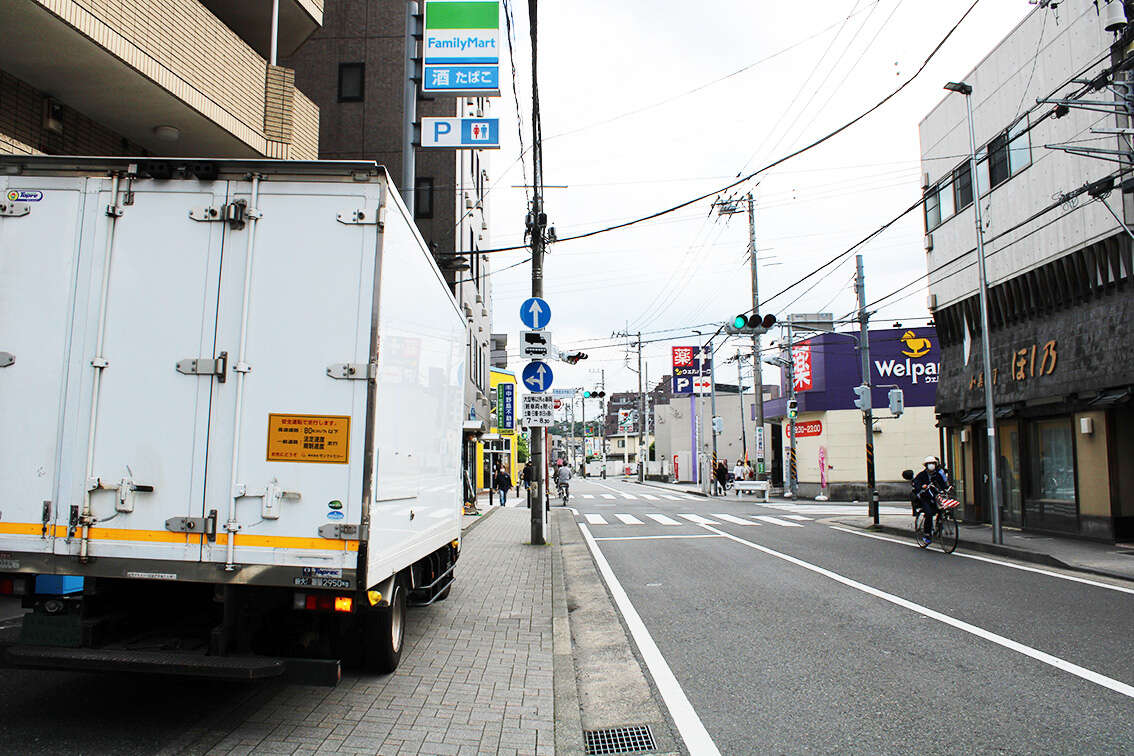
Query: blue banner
point(506, 406)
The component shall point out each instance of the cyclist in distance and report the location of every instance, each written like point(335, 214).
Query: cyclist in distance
point(922, 498)
point(562, 476)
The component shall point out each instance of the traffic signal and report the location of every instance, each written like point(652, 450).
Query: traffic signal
point(750, 324)
point(596, 394)
point(792, 409)
point(572, 357)
point(862, 401)
point(897, 402)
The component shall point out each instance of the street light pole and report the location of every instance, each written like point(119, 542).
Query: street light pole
point(986, 346)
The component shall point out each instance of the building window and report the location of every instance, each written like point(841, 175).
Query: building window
point(352, 76)
point(932, 209)
point(1053, 460)
point(423, 198)
point(963, 184)
point(982, 182)
point(1019, 147)
point(998, 171)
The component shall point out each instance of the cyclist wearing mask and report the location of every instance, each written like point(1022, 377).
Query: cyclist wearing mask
point(922, 499)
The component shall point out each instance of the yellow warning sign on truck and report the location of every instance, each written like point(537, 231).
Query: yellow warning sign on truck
point(309, 438)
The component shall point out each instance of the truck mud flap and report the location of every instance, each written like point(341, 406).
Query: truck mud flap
point(234, 668)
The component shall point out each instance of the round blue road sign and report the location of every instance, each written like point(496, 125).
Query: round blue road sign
point(535, 313)
point(537, 377)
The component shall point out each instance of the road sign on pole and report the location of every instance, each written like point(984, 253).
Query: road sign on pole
point(536, 343)
point(461, 133)
point(537, 377)
point(538, 409)
point(535, 313)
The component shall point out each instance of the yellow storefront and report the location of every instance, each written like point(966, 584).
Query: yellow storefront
point(499, 444)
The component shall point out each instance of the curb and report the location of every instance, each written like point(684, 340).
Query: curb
point(1023, 555)
point(568, 716)
point(661, 487)
point(483, 516)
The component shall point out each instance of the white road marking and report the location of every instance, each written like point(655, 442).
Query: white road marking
point(1024, 568)
point(595, 519)
point(685, 718)
point(697, 519)
point(798, 518)
point(657, 537)
point(826, 510)
point(648, 497)
point(608, 496)
point(1041, 656)
point(588, 496)
point(671, 498)
point(662, 519)
point(629, 496)
point(629, 519)
point(692, 498)
point(732, 519)
point(777, 521)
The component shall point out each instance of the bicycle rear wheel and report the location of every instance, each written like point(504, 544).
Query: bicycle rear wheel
point(918, 529)
point(947, 539)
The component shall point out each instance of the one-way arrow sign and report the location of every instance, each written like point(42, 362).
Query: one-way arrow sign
point(535, 313)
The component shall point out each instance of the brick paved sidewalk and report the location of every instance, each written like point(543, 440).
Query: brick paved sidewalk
point(476, 675)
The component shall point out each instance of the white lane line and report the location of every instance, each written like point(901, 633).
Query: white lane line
point(608, 496)
point(588, 496)
point(692, 730)
point(798, 518)
point(1041, 656)
point(671, 498)
point(697, 519)
point(657, 537)
point(629, 496)
point(1002, 563)
point(777, 521)
point(662, 519)
point(648, 497)
point(732, 519)
point(629, 519)
point(595, 519)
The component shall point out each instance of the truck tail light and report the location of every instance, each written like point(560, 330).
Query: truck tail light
point(343, 603)
point(322, 602)
point(12, 587)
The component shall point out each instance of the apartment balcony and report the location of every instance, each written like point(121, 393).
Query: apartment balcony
point(168, 75)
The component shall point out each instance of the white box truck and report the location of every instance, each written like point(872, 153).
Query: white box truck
point(231, 401)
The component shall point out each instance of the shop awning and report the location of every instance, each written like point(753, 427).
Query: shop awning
point(474, 426)
point(1110, 399)
point(490, 437)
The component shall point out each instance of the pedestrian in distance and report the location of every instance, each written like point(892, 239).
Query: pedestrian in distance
point(721, 477)
point(503, 483)
point(738, 471)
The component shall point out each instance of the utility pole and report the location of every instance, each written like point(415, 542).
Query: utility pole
point(583, 399)
point(713, 409)
point(641, 416)
point(740, 390)
point(602, 425)
point(536, 229)
point(757, 374)
point(409, 106)
point(793, 483)
point(868, 411)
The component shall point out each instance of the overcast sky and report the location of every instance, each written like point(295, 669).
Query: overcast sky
point(639, 113)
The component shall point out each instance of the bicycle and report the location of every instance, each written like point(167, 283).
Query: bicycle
point(945, 530)
point(564, 493)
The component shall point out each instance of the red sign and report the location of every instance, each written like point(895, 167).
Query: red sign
point(801, 367)
point(684, 356)
point(805, 429)
point(558, 403)
point(676, 476)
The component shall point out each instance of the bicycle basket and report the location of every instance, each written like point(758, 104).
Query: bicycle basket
point(944, 502)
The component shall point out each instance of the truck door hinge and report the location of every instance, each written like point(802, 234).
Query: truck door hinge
point(7, 359)
point(205, 366)
point(14, 209)
point(206, 525)
point(46, 518)
point(353, 371)
point(364, 217)
point(341, 532)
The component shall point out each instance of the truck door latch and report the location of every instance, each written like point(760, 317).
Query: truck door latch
point(205, 366)
point(126, 488)
point(206, 525)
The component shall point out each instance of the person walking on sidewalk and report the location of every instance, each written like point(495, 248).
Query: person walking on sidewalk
point(721, 477)
point(503, 483)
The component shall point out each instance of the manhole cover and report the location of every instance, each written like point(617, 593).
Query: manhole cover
point(636, 739)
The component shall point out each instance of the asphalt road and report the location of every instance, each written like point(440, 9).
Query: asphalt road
point(790, 636)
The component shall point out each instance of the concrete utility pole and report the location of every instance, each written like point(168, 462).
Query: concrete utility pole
point(740, 390)
point(758, 377)
point(641, 416)
point(793, 483)
point(409, 106)
point(602, 414)
point(713, 408)
point(583, 405)
point(868, 411)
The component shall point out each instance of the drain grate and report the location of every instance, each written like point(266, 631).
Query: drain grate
point(636, 739)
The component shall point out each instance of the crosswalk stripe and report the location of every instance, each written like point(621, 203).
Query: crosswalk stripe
point(691, 498)
point(608, 496)
point(629, 519)
point(777, 521)
point(588, 496)
point(662, 519)
point(800, 518)
point(698, 519)
point(595, 519)
point(648, 497)
point(671, 498)
point(732, 519)
point(629, 496)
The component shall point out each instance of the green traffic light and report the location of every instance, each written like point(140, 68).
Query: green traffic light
point(740, 322)
point(586, 394)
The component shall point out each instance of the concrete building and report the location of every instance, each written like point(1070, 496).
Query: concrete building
point(1060, 301)
point(354, 69)
point(189, 78)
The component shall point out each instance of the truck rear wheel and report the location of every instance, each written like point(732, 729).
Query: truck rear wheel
point(384, 632)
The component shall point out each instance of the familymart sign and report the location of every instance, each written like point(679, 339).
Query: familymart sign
point(461, 47)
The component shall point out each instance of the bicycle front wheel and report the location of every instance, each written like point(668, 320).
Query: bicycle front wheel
point(918, 529)
point(949, 535)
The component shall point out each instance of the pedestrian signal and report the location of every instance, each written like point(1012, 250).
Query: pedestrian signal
point(792, 409)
